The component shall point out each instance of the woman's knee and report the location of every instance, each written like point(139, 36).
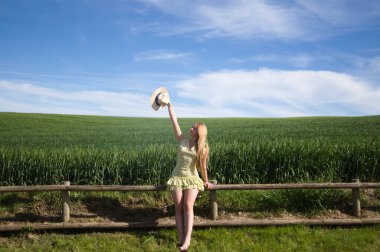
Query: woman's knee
point(178, 208)
point(188, 207)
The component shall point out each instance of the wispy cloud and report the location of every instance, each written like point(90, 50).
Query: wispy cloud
point(238, 18)
point(369, 64)
point(299, 60)
point(343, 13)
point(160, 55)
point(305, 20)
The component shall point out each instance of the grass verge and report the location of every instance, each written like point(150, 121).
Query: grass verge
point(288, 238)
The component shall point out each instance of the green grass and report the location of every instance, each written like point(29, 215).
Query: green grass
point(289, 238)
point(48, 149)
point(275, 201)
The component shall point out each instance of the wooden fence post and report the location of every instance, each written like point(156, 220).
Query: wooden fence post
point(213, 202)
point(65, 203)
point(356, 199)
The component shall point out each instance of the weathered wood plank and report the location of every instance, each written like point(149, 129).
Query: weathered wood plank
point(166, 224)
point(45, 188)
point(295, 186)
point(134, 188)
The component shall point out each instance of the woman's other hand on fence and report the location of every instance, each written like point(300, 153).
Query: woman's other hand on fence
point(209, 185)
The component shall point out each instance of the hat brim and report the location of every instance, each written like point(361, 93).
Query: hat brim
point(156, 92)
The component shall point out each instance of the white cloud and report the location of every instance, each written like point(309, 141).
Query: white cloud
point(24, 97)
point(281, 93)
point(227, 93)
point(10, 105)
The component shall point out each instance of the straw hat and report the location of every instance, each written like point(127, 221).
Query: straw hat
point(159, 98)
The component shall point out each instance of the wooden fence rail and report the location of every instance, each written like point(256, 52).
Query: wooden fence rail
point(65, 188)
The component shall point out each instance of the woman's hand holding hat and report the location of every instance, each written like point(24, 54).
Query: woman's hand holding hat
point(159, 98)
point(164, 99)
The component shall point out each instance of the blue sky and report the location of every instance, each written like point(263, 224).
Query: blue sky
point(226, 58)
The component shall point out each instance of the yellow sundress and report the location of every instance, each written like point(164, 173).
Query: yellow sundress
point(185, 175)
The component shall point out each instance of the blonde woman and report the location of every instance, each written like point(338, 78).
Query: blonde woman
point(185, 183)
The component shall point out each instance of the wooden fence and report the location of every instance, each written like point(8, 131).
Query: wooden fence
point(66, 188)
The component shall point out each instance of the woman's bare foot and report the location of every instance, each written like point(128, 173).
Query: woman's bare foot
point(184, 247)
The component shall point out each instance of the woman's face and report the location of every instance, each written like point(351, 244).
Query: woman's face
point(194, 131)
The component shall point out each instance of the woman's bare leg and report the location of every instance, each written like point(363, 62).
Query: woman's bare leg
point(188, 204)
point(179, 220)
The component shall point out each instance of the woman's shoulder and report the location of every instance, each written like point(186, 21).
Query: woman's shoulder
point(183, 141)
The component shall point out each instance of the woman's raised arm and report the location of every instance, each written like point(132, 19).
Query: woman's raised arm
point(177, 130)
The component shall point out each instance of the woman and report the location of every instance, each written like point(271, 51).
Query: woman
point(185, 183)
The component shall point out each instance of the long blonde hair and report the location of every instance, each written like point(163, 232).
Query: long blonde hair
point(202, 144)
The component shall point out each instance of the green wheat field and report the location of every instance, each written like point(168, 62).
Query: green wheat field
point(48, 149)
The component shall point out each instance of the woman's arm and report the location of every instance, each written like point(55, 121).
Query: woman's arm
point(203, 164)
point(177, 130)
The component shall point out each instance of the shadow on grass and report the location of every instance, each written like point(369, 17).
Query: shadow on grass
point(13, 199)
point(112, 209)
point(30, 217)
point(308, 202)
